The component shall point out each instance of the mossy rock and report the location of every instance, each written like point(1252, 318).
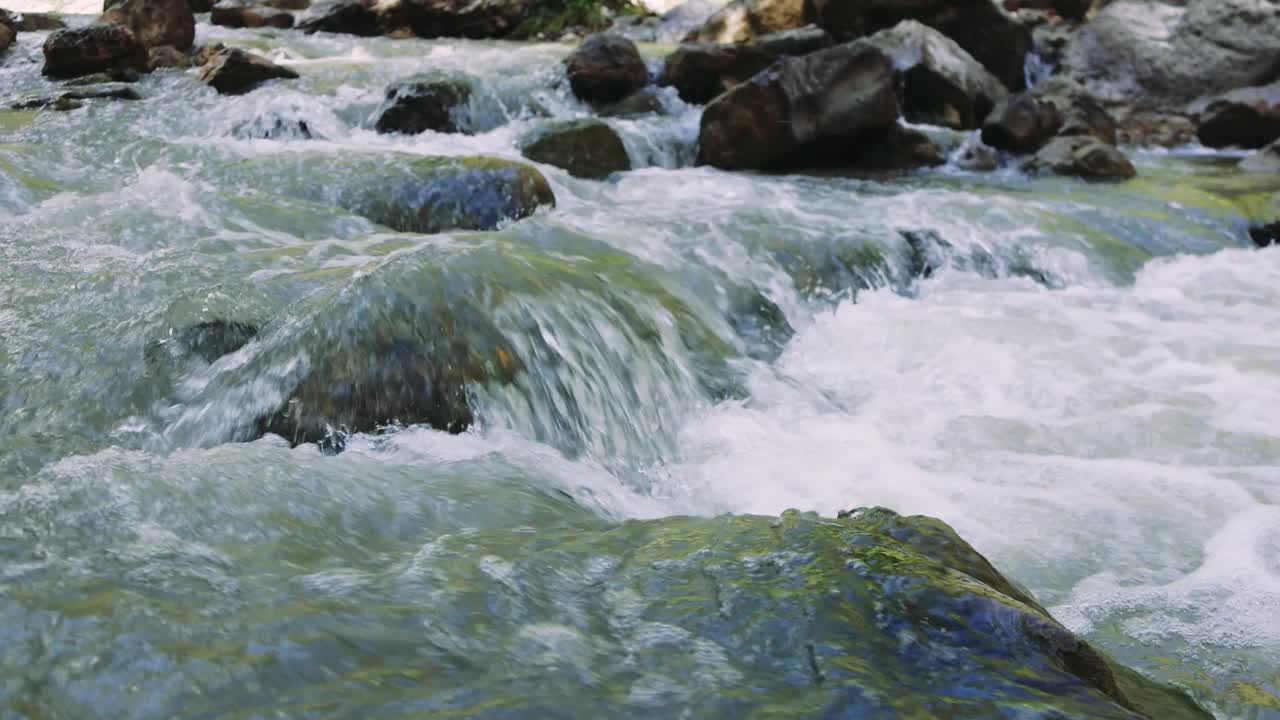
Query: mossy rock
point(585, 148)
point(409, 193)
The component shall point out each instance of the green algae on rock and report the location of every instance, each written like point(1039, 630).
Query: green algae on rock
point(410, 193)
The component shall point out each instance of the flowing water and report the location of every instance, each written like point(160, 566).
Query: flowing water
point(1082, 379)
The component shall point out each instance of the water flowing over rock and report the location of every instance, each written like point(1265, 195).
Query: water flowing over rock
point(1247, 117)
point(274, 126)
point(585, 148)
point(799, 109)
point(202, 342)
point(990, 35)
point(411, 193)
point(417, 105)
point(606, 68)
point(641, 102)
point(70, 100)
point(1162, 53)
point(351, 17)
point(1264, 160)
point(743, 21)
point(245, 15)
point(941, 84)
point(96, 48)
point(155, 22)
point(233, 71)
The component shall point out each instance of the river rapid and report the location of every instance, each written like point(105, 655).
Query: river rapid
point(1081, 378)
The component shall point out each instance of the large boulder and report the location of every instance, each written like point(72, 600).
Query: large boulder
point(743, 21)
point(586, 148)
point(1167, 53)
point(93, 49)
point(423, 103)
point(895, 148)
point(941, 83)
point(245, 15)
point(1025, 122)
point(410, 193)
point(606, 68)
point(233, 71)
point(476, 19)
point(800, 109)
point(156, 22)
point(1082, 156)
point(350, 17)
point(700, 71)
point(1247, 118)
point(986, 32)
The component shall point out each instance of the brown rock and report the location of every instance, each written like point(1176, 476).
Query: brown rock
point(700, 72)
point(586, 148)
point(34, 22)
point(155, 22)
point(476, 19)
point(743, 21)
point(1248, 117)
point(815, 106)
point(606, 68)
point(96, 48)
point(233, 71)
point(1082, 156)
point(350, 17)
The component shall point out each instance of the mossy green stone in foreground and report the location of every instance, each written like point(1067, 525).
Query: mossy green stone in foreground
point(872, 615)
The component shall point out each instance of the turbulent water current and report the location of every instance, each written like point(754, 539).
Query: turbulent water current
point(1082, 379)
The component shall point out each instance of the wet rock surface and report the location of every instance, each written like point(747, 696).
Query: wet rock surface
point(232, 71)
point(585, 148)
point(155, 22)
point(96, 48)
point(416, 105)
point(606, 68)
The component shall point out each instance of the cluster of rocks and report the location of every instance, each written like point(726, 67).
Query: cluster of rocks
point(133, 37)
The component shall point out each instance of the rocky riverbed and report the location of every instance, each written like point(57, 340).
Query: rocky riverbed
point(417, 357)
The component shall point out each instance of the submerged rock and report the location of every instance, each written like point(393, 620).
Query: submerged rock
point(1247, 118)
point(1082, 156)
point(799, 110)
point(202, 342)
point(274, 126)
point(244, 15)
point(351, 17)
point(585, 148)
point(409, 193)
point(70, 99)
point(1266, 160)
point(155, 22)
point(606, 68)
point(940, 83)
point(96, 48)
point(233, 71)
point(868, 615)
point(986, 32)
point(424, 103)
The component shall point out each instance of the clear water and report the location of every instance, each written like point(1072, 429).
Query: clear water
point(1085, 385)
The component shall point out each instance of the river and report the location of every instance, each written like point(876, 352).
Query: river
point(1083, 382)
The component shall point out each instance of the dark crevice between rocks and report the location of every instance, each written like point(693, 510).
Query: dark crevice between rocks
point(1265, 235)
